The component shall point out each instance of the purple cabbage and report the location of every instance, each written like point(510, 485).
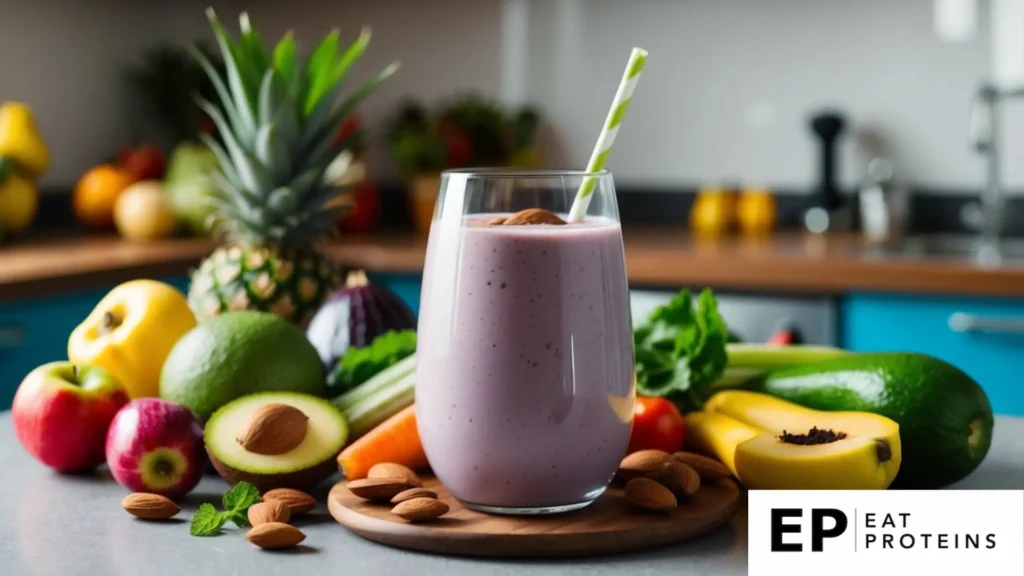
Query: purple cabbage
point(354, 315)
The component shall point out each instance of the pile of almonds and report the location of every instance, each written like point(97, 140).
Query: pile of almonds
point(657, 481)
point(397, 484)
point(269, 518)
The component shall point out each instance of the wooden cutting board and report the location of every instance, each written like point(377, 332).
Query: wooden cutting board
point(608, 526)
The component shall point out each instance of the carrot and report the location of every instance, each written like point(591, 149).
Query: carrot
point(396, 440)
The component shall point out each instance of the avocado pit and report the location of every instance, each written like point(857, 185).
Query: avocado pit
point(297, 438)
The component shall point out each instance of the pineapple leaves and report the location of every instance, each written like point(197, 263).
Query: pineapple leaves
point(218, 86)
point(277, 113)
point(234, 61)
point(250, 175)
point(319, 70)
point(226, 167)
point(353, 53)
point(270, 94)
point(282, 200)
point(326, 104)
point(315, 142)
point(272, 153)
point(251, 44)
point(285, 62)
point(340, 70)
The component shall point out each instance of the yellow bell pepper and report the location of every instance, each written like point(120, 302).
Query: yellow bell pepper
point(130, 333)
point(20, 140)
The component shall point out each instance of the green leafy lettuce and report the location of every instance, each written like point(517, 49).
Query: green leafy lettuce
point(680, 350)
point(360, 364)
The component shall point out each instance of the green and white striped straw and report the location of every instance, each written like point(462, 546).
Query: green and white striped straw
point(599, 157)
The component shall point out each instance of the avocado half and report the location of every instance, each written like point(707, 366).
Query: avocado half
point(308, 464)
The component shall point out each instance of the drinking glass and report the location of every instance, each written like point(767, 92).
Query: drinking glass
point(525, 387)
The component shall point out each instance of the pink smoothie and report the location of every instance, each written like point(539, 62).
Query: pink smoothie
point(524, 390)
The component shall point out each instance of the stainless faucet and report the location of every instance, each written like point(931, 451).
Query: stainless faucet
point(987, 216)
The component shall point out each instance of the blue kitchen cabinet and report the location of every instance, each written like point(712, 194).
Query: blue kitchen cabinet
point(35, 331)
point(985, 338)
point(405, 286)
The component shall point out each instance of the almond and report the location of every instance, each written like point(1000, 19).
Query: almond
point(269, 511)
point(392, 470)
point(533, 216)
point(298, 503)
point(413, 493)
point(274, 429)
point(149, 506)
point(643, 463)
point(647, 494)
point(682, 480)
point(497, 221)
point(708, 468)
point(420, 509)
point(275, 536)
point(378, 489)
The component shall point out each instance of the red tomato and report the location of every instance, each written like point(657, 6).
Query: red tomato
point(657, 425)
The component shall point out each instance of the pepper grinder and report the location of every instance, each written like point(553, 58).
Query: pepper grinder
point(827, 211)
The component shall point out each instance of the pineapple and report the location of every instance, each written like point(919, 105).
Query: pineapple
point(277, 119)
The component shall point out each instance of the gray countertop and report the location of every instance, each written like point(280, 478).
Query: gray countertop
point(70, 525)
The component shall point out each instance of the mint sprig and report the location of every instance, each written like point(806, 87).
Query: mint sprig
point(208, 521)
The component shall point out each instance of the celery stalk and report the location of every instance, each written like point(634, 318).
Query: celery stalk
point(750, 361)
point(380, 381)
point(764, 356)
point(365, 415)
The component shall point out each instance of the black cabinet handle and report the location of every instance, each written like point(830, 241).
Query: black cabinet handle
point(963, 322)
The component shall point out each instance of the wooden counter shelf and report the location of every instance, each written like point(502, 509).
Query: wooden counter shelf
point(655, 257)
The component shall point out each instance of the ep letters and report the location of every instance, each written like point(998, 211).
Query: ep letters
point(848, 532)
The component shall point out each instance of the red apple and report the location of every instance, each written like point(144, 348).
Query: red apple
point(156, 446)
point(61, 413)
point(144, 163)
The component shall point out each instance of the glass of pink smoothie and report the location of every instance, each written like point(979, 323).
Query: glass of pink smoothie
point(525, 389)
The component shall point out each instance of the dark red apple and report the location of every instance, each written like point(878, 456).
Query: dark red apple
point(156, 446)
point(61, 413)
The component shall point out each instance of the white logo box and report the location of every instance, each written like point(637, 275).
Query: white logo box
point(903, 533)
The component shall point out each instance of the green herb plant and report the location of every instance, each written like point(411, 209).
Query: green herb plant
point(208, 520)
point(465, 130)
point(681, 350)
point(358, 365)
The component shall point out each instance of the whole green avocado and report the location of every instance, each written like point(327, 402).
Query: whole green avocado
point(944, 416)
point(236, 354)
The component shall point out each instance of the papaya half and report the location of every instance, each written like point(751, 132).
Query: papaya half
point(772, 444)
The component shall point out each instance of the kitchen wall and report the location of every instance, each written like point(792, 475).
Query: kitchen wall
point(726, 93)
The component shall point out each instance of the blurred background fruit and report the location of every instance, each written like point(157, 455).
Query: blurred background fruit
point(144, 162)
point(756, 211)
point(19, 201)
point(188, 184)
point(142, 212)
point(24, 158)
point(713, 213)
point(20, 141)
point(96, 194)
